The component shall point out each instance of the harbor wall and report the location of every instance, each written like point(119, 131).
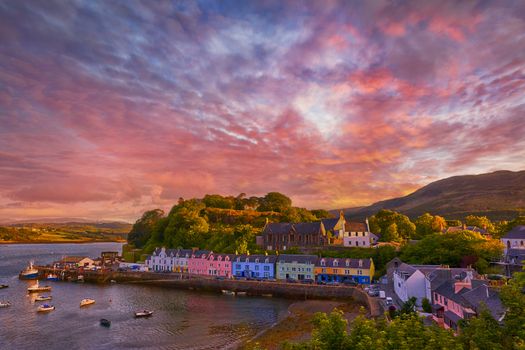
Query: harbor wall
point(296, 291)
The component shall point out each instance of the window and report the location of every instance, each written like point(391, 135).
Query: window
point(238, 266)
point(267, 268)
point(257, 260)
point(335, 263)
point(323, 263)
point(256, 267)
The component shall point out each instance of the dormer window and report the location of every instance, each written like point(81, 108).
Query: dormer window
point(247, 260)
point(360, 263)
point(238, 259)
point(347, 262)
point(336, 263)
point(323, 263)
point(257, 260)
point(267, 260)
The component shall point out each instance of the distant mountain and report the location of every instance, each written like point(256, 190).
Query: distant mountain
point(498, 195)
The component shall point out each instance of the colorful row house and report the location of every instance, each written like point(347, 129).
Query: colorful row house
point(297, 267)
point(254, 266)
point(344, 269)
point(169, 260)
point(220, 265)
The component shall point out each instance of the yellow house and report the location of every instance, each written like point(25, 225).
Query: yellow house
point(341, 269)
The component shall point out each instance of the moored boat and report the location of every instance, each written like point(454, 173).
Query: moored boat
point(86, 302)
point(105, 323)
point(2, 286)
point(43, 298)
point(29, 273)
point(37, 288)
point(52, 277)
point(4, 304)
point(80, 279)
point(241, 294)
point(144, 313)
point(45, 308)
point(228, 292)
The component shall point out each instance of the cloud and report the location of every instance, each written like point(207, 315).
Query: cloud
point(108, 109)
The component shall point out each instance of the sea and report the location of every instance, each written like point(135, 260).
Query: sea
point(181, 320)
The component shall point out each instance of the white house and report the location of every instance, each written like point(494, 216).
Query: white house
point(86, 263)
point(515, 239)
point(172, 260)
point(357, 234)
point(420, 280)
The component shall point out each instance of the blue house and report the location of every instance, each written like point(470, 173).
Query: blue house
point(255, 266)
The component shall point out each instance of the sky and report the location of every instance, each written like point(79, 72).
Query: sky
point(110, 108)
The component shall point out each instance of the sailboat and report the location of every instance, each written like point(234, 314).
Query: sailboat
point(37, 288)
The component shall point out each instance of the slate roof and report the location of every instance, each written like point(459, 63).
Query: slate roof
point(301, 259)
point(342, 262)
point(223, 256)
point(262, 258)
point(355, 226)
point(329, 224)
point(517, 232)
point(199, 253)
point(277, 228)
point(304, 228)
point(452, 316)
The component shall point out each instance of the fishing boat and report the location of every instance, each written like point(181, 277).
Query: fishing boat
point(86, 302)
point(52, 277)
point(144, 313)
point(105, 323)
point(4, 304)
point(228, 292)
point(2, 286)
point(29, 273)
point(45, 308)
point(43, 298)
point(37, 288)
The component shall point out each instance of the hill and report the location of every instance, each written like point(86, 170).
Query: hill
point(66, 232)
point(499, 195)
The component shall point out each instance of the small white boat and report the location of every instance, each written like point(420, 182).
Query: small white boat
point(113, 281)
point(52, 277)
point(86, 302)
point(4, 304)
point(267, 295)
point(228, 292)
point(43, 298)
point(144, 313)
point(45, 308)
point(37, 288)
point(241, 294)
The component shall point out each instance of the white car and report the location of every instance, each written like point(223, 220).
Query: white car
point(389, 301)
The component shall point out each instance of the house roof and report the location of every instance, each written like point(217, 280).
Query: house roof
point(301, 259)
point(304, 228)
point(277, 228)
point(199, 253)
point(355, 226)
point(222, 256)
point(452, 316)
point(252, 258)
point(517, 232)
point(329, 224)
point(345, 262)
point(73, 259)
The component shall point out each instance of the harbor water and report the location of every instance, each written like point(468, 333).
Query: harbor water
point(181, 320)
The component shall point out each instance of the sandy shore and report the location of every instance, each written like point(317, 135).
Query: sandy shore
point(297, 326)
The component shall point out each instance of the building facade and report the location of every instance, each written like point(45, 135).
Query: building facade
point(340, 270)
point(515, 239)
point(357, 234)
point(254, 266)
point(198, 262)
point(297, 267)
point(220, 265)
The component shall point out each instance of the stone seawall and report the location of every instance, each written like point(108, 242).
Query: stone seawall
point(295, 291)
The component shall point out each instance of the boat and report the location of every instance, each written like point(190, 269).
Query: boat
point(267, 295)
point(29, 273)
point(86, 302)
point(80, 279)
point(37, 288)
point(241, 293)
point(52, 277)
point(144, 313)
point(4, 304)
point(105, 323)
point(43, 298)
point(2, 286)
point(112, 281)
point(228, 292)
point(45, 308)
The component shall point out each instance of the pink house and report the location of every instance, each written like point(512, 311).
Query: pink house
point(459, 300)
point(198, 262)
point(220, 265)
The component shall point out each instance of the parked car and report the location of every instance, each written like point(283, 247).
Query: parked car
point(307, 281)
point(373, 292)
point(382, 294)
point(333, 283)
point(389, 301)
point(350, 283)
point(291, 280)
point(220, 278)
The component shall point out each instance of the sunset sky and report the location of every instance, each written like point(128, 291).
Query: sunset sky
point(108, 108)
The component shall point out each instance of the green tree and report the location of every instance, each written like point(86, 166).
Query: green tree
point(391, 234)
point(480, 221)
point(380, 222)
point(424, 225)
point(186, 227)
point(143, 228)
point(482, 333)
point(425, 304)
point(275, 201)
point(322, 214)
point(218, 201)
point(513, 297)
point(329, 330)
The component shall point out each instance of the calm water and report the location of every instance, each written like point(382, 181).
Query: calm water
point(182, 319)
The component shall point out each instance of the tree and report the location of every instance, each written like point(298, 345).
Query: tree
point(482, 332)
point(218, 201)
point(380, 222)
point(480, 221)
point(186, 226)
point(322, 214)
point(275, 201)
point(427, 224)
point(513, 297)
point(425, 304)
point(143, 228)
point(391, 234)
point(294, 214)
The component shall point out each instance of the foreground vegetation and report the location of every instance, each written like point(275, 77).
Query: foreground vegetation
point(64, 232)
point(407, 331)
